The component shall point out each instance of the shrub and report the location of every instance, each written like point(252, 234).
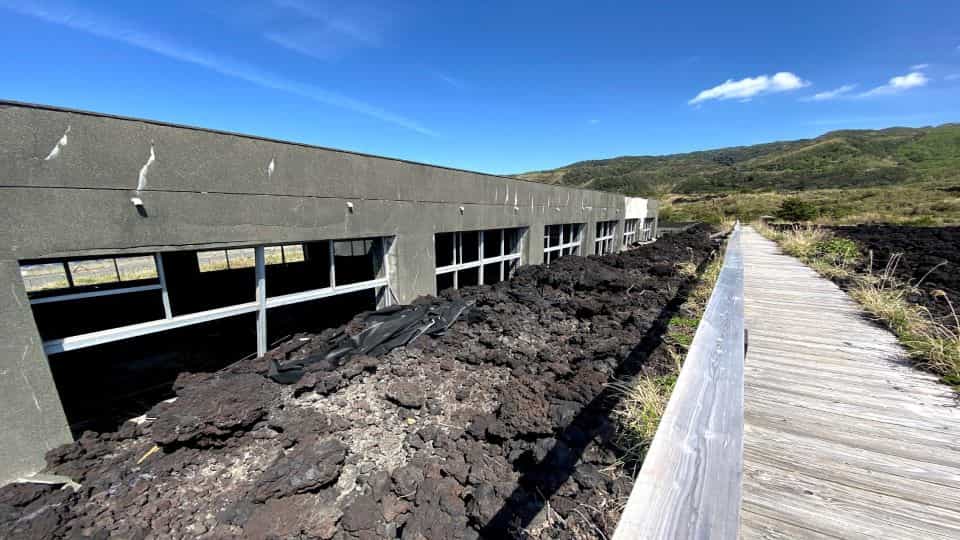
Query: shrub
point(796, 209)
point(838, 251)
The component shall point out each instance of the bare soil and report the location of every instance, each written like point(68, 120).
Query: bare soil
point(501, 428)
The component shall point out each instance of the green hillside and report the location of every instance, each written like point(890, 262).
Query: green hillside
point(839, 159)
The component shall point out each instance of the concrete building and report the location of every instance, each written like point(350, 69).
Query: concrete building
point(132, 250)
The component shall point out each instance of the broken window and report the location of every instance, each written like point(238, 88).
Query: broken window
point(603, 240)
point(475, 257)
point(234, 259)
point(177, 289)
point(647, 233)
point(559, 240)
point(629, 231)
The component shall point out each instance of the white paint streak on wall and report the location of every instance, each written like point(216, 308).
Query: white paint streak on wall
point(142, 179)
point(271, 167)
point(516, 198)
point(26, 381)
point(55, 151)
point(13, 291)
point(506, 198)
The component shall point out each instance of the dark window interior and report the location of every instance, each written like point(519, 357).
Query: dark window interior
point(471, 246)
point(443, 247)
point(311, 273)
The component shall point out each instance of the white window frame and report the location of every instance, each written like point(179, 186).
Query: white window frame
point(647, 230)
point(574, 245)
point(284, 248)
point(381, 284)
point(482, 261)
point(629, 231)
point(603, 241)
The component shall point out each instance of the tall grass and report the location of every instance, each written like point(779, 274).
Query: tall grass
point(932, 342)
point(645, 398)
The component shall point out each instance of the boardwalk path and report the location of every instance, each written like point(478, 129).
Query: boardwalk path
point(842, 439)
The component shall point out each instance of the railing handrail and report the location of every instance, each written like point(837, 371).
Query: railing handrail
point(690, 482)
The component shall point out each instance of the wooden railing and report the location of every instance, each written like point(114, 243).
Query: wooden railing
point(689, 486)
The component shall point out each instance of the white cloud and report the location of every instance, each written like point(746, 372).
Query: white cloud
point(594, 121)
point(747, 88)
point(452, 81)
point(320, 31)
point(898, 84)
point(952, 77)
point(118, 30)
point(831, 94)
point(919, 67)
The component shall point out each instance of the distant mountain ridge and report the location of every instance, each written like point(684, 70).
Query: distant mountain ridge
point(838, 159)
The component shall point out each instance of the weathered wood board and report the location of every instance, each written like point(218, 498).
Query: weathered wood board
point(842, 438)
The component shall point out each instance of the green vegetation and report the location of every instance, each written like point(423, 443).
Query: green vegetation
point(899, 175)
point(932, 343)
point(645, 398)
point(796, 209)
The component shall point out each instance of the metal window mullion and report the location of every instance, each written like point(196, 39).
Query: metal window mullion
point(92, 294)
point(164, 293)
point(66, 271)
point(503, 250)
point(324, 292)
point(333, 270)
point(116, 268)
point(261, 276)
point(483, 235)
point(110, 335)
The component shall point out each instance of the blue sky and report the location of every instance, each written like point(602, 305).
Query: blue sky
point(493, 86)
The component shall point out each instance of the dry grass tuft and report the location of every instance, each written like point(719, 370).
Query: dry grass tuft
point(934, 344)
point(645, 398)
point(644, 401)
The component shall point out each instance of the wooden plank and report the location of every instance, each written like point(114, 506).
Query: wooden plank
point(843, 437)
point(808, 449)
point(757, 525)
point(899, 439)
point(850, 373)
point(897, 367)
point(838, 472)
point(690, 483)
point(899, 518)
point(850, 408)
point(831, 390)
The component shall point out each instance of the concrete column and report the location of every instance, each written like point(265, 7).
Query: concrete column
point(534, 253)
point(30, 412)
point(413, 272)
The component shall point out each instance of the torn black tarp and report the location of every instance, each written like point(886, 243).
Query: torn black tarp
point(383, 331)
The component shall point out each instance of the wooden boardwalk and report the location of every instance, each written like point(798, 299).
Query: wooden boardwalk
point(842, 438)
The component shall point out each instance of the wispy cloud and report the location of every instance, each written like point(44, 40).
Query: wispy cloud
point(452, 81)
point(322, 31)
point(593, 121)
point(747, 88)
point(919, 67)
point(119, 30)
point(831, 94)
point(952, 77)
point(898, 84)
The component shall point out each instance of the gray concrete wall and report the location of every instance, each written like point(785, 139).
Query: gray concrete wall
point(67, 178)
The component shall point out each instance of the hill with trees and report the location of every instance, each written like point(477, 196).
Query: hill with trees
point(849, 158)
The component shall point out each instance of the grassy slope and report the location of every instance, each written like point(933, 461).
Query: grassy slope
point(906, 175)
